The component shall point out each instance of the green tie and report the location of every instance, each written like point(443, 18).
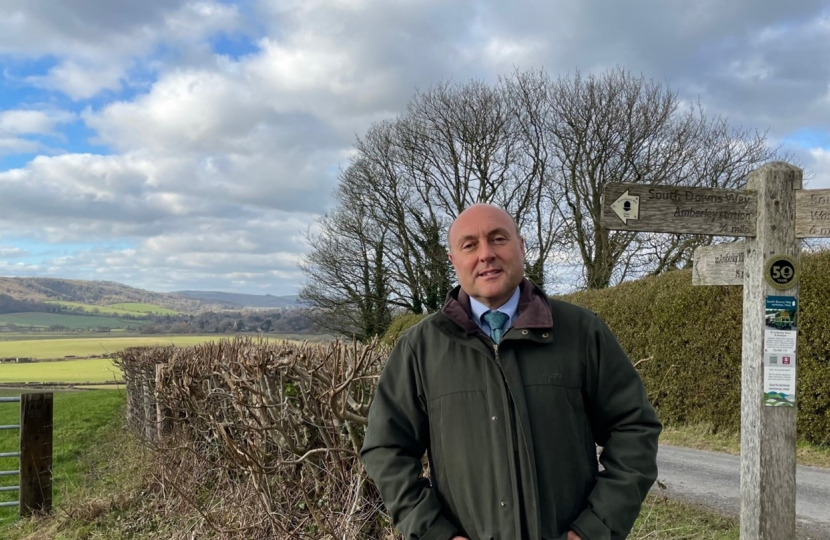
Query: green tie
point(495, 320)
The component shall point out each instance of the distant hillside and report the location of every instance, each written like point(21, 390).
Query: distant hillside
point(242, 300)
point(99, 293)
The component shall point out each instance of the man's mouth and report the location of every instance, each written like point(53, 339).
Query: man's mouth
point(489, 273)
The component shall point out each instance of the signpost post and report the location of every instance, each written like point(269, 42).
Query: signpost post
point(773, 213)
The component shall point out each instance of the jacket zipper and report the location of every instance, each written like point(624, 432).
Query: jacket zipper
point(514, 442)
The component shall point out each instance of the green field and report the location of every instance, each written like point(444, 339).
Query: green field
point(44, 335)
point(94, 370)
point(74, 322)
point(141, 309)
point(86, 347)
point(126, 308)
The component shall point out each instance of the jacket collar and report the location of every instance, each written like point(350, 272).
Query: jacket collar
point(534, 310)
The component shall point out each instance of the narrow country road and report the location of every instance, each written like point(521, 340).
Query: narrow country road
point(713, 480)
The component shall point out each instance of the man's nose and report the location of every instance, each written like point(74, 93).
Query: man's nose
point(486, 253)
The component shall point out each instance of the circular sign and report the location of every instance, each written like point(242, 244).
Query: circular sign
point(781, 272)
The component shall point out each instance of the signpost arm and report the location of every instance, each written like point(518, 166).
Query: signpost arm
point(768, 434)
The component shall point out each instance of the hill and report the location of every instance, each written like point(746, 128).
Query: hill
point(243, 300)
point(98, 293)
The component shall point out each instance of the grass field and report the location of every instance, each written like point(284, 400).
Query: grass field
point(93, 370)
point(74, 322)
point(86, 347)
point(127, 308)
point(41, 335)
point(79, 420)
point(139, 309)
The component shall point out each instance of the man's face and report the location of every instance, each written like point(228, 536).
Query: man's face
point(487, 254)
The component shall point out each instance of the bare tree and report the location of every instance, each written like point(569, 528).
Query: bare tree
point(619, 128)
point(347, 288)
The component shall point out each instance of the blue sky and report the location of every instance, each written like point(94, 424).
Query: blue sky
point(175, 145)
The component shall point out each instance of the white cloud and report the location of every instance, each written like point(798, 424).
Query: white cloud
point(97, 42)
point(17, 121)
point(13, 145)
point(820, 168)
point(8, 252)
point(81, 81)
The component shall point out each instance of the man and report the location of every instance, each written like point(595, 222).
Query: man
point(510, 407)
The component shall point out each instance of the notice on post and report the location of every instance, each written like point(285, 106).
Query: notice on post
point(779, 380)
point(780, 334)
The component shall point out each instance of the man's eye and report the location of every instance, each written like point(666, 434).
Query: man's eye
point(466, 246)
point(499, 239)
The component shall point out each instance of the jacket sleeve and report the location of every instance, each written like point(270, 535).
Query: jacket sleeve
point(626, 426)
point(396, 438)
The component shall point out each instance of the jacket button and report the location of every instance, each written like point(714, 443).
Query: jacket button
point(525, 332)
point(545, 335)
point(493, 418)
point(503, 503)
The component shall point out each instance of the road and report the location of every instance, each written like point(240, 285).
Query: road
point(713, 480)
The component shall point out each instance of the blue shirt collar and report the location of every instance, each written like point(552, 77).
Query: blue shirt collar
point(509, 308)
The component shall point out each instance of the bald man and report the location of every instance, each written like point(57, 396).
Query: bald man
point(509, 392)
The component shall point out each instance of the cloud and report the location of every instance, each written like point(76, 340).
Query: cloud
point(95, 43)
point(9, 252)
point(81, 81)
point(17, 122)
point(819, 164)
point(13, 145)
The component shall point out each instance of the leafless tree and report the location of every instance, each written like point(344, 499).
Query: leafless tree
point(347, 289)
point(615, 127)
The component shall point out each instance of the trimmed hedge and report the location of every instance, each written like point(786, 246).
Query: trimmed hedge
point(398, 325)
point(690, 338)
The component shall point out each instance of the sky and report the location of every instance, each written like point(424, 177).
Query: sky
point(174, 145)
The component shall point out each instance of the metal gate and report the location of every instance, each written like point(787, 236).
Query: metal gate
point(5, 454)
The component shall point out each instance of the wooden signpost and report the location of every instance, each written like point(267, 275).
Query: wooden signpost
point(772, 213)
point(812, 213)
point(722, 264)
point(678, 209)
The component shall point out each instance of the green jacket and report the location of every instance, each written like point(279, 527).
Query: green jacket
point(511, 428)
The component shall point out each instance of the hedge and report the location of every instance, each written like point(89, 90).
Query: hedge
point(692, 337)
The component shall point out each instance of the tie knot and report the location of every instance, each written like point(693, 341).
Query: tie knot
point(495, 319)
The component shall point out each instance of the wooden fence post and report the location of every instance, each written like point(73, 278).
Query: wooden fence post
point(149, 431)
point(768, 434)
point(35, 453)
point(163, 419)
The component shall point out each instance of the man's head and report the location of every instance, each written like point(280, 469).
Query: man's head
point(488, 254)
